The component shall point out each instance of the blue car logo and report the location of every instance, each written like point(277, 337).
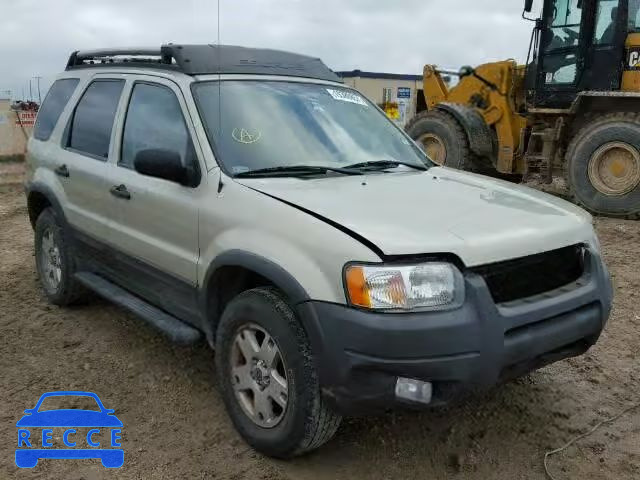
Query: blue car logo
point(99, 430)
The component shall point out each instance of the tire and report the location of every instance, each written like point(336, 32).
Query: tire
point(443, 129)
point(307, 422)
point(66, 290)
point(581, 173)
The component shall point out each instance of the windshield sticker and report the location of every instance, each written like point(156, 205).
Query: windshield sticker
point(239, 169)
point(346, 96)
point(244, 135)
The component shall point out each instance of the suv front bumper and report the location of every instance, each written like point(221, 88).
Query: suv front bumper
point(360, 354)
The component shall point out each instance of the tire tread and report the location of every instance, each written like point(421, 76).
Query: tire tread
point(322, 422)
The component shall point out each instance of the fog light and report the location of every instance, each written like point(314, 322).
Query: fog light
point(414, 390)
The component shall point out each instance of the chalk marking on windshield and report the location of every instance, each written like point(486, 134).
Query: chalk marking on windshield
point(242, 135)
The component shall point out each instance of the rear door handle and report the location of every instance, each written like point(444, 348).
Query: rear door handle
point(120, 191)
point(62, 171)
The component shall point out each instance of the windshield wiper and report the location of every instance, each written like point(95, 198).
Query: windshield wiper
point(294, 171)
point(384, 164)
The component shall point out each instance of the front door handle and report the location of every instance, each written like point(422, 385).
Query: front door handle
point(62, 171)
point(120, 191)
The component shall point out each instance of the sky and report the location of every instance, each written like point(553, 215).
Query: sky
point(396, 36)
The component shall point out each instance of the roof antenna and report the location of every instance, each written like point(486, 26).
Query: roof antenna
point(218, 48)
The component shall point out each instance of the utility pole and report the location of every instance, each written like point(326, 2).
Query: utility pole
point(30, 92)
point(39, 97)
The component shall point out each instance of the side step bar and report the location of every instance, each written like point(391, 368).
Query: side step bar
point(175, 329)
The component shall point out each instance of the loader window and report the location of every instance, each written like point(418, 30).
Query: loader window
point(606, 22)
point(563, 21)
point(566, 12)
point(634, 16)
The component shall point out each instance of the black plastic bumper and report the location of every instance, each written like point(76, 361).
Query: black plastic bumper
point(360, 354)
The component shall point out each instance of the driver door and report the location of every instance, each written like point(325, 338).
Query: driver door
point(561, 53)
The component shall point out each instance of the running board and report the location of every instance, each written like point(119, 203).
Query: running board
point(175, 329)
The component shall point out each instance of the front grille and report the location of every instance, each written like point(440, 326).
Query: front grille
point(528, 276)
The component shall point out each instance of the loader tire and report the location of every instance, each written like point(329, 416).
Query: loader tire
point(443, 139)
point(602, 167)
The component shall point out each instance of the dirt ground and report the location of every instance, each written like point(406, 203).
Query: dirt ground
point(175, 425)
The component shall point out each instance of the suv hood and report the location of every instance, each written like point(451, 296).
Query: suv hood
point(479, 219)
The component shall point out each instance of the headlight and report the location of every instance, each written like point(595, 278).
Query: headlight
point(426, 285)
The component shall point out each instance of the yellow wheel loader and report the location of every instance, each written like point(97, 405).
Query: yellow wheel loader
point(573, 109)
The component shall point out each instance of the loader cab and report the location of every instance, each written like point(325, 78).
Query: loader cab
point(578, 45)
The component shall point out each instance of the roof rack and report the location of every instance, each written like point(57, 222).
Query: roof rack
point(116, 56)
point(206, 59)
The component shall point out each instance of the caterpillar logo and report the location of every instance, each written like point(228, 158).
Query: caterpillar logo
point(633, 60)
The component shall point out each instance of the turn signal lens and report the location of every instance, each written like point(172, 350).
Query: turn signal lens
point(404, 287)
point(357, 287)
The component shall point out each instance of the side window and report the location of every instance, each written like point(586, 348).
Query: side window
point(566, 12)
point(52, 107)
point(93, 118)
point(564, 24)
point(155, 121)
point(606, 22)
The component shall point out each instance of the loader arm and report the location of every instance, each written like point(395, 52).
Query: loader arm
point(497, 106)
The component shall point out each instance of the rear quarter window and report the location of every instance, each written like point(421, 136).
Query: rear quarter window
point(52, 107)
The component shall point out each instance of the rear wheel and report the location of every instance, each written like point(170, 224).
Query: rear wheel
point(442, 138)
point(603, 165)
point(267, 376)
point(55, 262)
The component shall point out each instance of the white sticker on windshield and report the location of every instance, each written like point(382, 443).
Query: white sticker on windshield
point(346, 96)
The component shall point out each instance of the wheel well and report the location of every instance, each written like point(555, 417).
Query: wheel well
point(226, 283)
point(36, 203)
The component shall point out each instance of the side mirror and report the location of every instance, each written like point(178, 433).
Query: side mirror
point(528, 5)
point(165, 164)
point(29, 411)
point(109, 411)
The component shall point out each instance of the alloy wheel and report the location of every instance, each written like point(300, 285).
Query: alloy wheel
point(259, 376)
point(50, 261)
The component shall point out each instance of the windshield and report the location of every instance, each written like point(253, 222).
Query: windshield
point(267, 124)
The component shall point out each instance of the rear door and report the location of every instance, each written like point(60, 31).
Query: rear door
point(155, 223)
point(83, 161)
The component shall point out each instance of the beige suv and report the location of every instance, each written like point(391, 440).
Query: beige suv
point(248, 197)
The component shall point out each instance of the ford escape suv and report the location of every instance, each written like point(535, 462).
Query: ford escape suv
point(248, 197)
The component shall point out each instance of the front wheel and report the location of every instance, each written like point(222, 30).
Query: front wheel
point(267, 376)
point(603, 165)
